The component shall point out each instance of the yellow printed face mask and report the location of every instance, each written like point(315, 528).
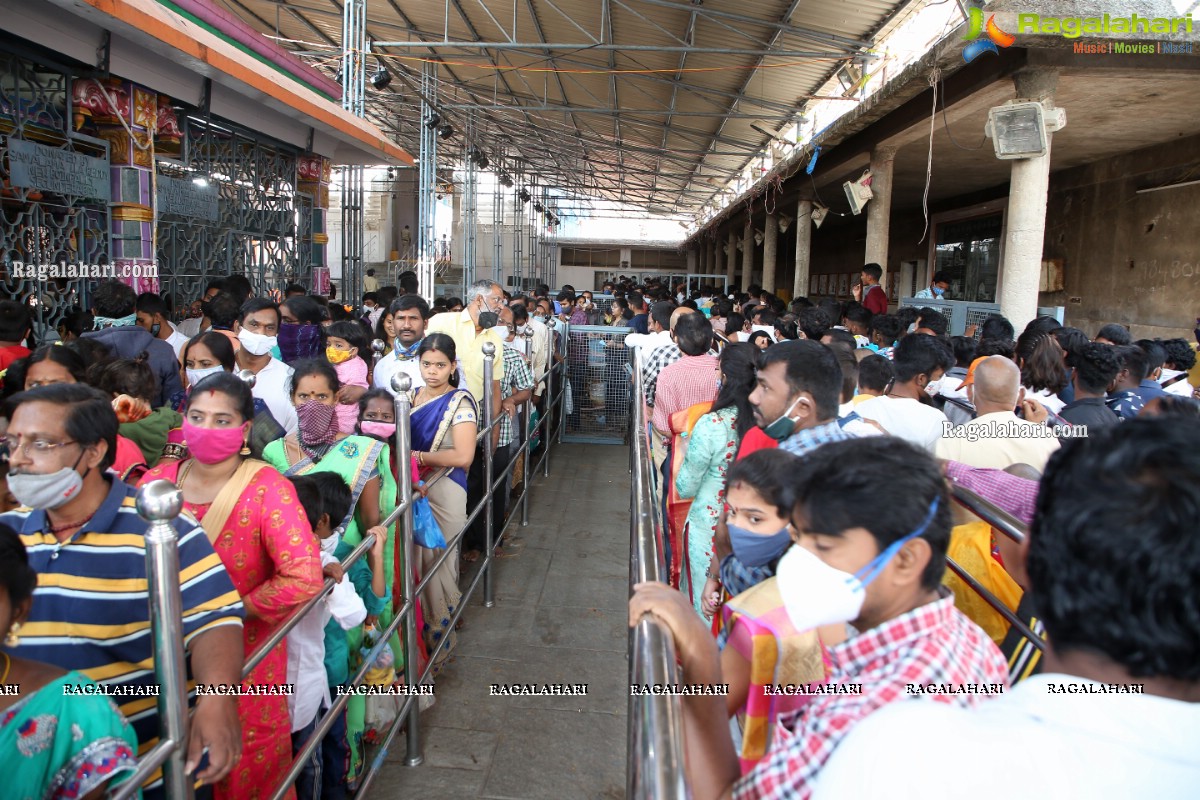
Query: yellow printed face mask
point(336, 356)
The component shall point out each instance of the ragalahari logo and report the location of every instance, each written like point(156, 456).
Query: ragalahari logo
point(995, 36)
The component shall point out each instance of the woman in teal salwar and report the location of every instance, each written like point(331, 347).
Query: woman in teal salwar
point(365, 464)
point(52, 744)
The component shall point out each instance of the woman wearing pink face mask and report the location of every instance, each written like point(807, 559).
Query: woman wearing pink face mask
point(258, 528)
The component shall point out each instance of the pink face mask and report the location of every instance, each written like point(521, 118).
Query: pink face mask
point(372, 427)
point(213, 445)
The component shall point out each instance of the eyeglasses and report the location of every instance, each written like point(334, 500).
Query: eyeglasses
point(39, 447)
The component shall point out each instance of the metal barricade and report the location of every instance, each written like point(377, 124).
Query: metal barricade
point(655, 761)
point(160, 503)
point(599, 384)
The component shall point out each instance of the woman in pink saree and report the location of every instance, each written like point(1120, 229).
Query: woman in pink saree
point(258, 528)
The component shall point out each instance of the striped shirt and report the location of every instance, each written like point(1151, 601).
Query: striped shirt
point(90, 608)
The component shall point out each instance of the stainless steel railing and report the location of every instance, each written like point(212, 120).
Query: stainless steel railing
point(655, 760)
point(160, 502)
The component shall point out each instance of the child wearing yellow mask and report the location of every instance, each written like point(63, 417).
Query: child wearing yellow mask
point(345, 344)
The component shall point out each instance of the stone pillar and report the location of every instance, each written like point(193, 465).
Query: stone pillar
point(1025, 221)
point(804, 226)
point(770, 246)
point(748, 254)
point(731, 259)
point(879, 210)
point(714, 264)
point(718, 254)
point(692, 253)
point(702, 257)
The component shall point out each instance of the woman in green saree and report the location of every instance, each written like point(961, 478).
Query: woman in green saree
point(53, 744)
point(364, 464)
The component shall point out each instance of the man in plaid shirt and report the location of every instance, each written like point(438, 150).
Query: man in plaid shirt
point(864, 506)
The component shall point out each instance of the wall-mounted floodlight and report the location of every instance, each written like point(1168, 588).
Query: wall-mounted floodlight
point(1019, 128)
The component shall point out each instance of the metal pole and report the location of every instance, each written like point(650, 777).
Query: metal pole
point(159, 503)
point(489, 358)
point(528, 415)
point(546, 424)
point(401, 384)
point(377, 348)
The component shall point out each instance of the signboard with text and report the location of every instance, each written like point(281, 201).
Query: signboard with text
point(35, 166)
point(186, 198)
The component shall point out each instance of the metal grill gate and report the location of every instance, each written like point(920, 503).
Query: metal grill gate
point(599, 384)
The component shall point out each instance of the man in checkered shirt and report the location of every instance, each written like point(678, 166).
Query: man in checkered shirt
point(855, 499)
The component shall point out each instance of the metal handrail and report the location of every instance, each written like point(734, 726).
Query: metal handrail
point(655, 761)
point(160, 503)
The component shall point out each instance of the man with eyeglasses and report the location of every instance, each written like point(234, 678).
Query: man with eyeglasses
point(87, 544)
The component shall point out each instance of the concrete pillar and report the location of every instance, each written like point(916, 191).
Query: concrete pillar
point(770, 246)
point(701, 257)
point(1026, 218)
point(748, 254)
point(879, 210)
point(731, 259)
point(718, 262)
point(804, 228)
point(714, 264)
point(691, 259)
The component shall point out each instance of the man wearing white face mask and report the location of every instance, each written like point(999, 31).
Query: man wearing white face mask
point(873, 527)
point(257, 330)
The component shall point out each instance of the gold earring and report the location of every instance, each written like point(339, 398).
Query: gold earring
point(245, 451)
point(12, 640)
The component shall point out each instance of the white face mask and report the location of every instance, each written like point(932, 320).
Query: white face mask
point(816, 594)
point(194, 376)
point(329, 543)
point(255, 343)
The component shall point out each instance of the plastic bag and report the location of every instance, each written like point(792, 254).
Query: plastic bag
point(569, 401)
point(426, 531)
point(535, 433)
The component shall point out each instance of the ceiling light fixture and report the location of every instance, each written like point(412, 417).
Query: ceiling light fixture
point(382, 78)
point(445, 132)
point(433, 120)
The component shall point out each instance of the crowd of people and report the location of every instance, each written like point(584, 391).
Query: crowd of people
point(281, 476)
point(806, 457)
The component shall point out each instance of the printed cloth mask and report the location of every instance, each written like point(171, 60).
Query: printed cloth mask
point(213, 445)
point(329, 543)
point(194, 376)
point(381, 430)
point(756, 550)
point(318, 422)
point(816, 594)
point(407, 353)
point(938, 291)
point(298, 341)
point(256, 344)
point(337, 356)
point(46, 490)
point(785, 426)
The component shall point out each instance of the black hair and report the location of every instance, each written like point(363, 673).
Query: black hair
point(1095, 365)
point(811, 367)
point(131, 376)
point(1117, 334)
point(306, 309)
point(1180, 354)
point(763, 315)
point(933, 320)
point(995, 326)
point(661, 313)
point(112, 298)
point(858, 314)
point(787, 327)
point(294, 288)
point(78, 322)
point(636, 300)
point(1133, 359)
point(444, 345)
point(693, 334)
point(722, 307)
point(758, 336)
point(15, 322)
point(408, 281)
point(229, 385)
point(1179, 407)
point(768, 472)
point(239, 286)
point(738, 362)
point(734, 322)
point(964, 350)
point(833, 309)
point(337, 312)
point(352, 332)
point(90, 418)
point(451, 302)
point(888, 326)
point(1112, 559)
point(941, 276)
point(908, 315)
point(921, 354)
point(91, 350)
point(1069, 339)
point(257, 304)
point(65, 356)
point(799, 304)
point(17, 578)
point(152, 304)
point(217, 343)
point(996, 347)
point(1156, 354)
point(1043, 323)
point(874, 270)
point(841, 336)
point(876, 373)
point(814, 322)
point(844, 352)
point(223, 310)
point(520, 314)
point(1041, 362)
point(374, 394)
point(374, 298)
point(321, 493)
point(313, 366)
point(882, 484)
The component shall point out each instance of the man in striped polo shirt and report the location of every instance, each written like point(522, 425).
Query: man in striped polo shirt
point(87, 543)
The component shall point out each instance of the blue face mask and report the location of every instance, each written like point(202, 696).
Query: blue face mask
point(756, 550)
point(938, 291)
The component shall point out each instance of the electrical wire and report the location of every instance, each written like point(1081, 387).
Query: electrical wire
point(934, 78)
point(946, 125)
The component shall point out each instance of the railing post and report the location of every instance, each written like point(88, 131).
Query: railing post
point(401, 384)
point(489, 359)
point(377, 348)
point(159, 504)
point(528, 456)
point(547, 425)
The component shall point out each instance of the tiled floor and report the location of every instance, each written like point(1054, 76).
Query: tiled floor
point(561, 592)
